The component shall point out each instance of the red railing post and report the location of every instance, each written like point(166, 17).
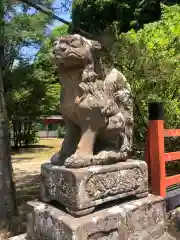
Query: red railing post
point(156, 149)
point(147, 153)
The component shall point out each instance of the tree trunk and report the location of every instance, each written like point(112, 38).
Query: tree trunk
point(7, 187)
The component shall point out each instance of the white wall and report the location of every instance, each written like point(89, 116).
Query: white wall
point(46, 134)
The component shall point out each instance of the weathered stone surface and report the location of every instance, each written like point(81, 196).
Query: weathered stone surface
point(174, 222)
point(139, 218)
point(97, 109)
point(142, 219)
point(79, 189)
point(166, 236)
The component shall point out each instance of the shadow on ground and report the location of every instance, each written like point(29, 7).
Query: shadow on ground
point(27, 187)
point(30, 149)
point(18, 159)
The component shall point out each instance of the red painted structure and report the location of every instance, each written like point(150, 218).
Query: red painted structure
point(49, 126)
point(52, 119)
point(155, 154)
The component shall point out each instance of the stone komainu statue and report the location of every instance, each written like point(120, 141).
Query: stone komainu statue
point(98, 112)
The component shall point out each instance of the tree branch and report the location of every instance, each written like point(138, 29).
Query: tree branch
point(45, 10)
point(54, 16)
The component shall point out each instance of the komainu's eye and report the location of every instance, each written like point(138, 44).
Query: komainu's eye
point(75, 43)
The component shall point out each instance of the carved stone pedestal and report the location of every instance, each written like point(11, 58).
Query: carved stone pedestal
point(142, 219)
point(81, 190)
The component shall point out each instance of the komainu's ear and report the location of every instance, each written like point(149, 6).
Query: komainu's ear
point(95, 45)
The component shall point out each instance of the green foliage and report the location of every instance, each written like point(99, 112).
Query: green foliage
point(31, 89)
point(61, 131)
point(149, 58)
point(97, 15)
point(60, 31)
point(46, 72)
point(22, 30)
point(30, 137)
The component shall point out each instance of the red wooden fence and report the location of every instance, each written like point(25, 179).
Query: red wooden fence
point(155, 153)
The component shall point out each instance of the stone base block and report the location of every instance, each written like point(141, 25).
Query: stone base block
point(142, 219)
point(80, 190)
point(166, 236)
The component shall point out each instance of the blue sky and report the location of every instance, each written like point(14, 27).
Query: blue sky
point(31, 51)
point(65, 15)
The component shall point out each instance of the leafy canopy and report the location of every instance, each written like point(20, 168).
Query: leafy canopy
point(97, 15)
point(150, 60)
point(31, 88)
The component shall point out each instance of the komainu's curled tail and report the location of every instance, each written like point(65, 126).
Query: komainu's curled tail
point(119, 106)
point(118, 92)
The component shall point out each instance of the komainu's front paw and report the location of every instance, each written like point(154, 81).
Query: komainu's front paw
point(78, 161)
point(109, 157)
point(56, 159)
